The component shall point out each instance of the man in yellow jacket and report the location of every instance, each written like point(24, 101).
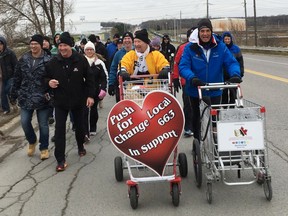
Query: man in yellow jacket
point(144, 59)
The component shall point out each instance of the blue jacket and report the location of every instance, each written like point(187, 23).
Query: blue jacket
point(111, 49)
point(114, 66)
point(236, 51)
point(194, 63)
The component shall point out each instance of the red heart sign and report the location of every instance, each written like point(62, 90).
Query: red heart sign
point(148, 134)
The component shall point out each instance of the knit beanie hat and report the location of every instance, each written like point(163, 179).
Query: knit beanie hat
point(128, 34)
point(155, 42)
point(38, 38)
point(116, 36)
point(142, 35)
point(205, 23)
point(66, 39)
point(92, 38)
point(90, 45)
point(83, 41)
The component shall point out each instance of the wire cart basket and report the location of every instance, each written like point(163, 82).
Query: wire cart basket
point(136, 89)
point(233, 140)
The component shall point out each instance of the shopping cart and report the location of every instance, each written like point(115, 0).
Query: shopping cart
point(136, 89)
point(233, 140)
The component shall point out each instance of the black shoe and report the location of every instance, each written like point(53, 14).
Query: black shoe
point(53, 139)
point(82, 152)
point(51, 120)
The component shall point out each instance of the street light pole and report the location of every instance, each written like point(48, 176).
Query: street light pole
point(246, 26)
point(255, 23)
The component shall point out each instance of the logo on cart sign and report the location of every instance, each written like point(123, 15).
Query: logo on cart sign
point(147, 134)
point(240, 132)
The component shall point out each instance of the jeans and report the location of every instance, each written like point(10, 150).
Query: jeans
point(6, 87)
point(42, 118)
point(60, 130)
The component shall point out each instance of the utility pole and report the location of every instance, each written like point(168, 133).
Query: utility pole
point(246, 26)
point(207, 9)
point(255, 23)
point(180, 26)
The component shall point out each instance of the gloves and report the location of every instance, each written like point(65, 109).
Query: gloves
point(235, 79)
point(111, 90)
point(102, 94)
point(197, 82)
point(124, 74)
point(164, 73)
point(176, 85)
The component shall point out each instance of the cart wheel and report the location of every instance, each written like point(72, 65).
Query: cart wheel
point(209, 192)
point(118, 168)
point(183, 167)
point(133, 197)
point(175, 194)
point(260, 177)
point(197, 162)
point(268, 189)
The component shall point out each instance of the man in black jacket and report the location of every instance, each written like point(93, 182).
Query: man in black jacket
point(72, 81)
point(8, 61)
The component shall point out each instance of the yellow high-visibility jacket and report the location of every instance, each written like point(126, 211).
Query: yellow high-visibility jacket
point(155, 61)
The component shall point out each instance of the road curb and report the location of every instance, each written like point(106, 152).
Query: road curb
point(7, 128)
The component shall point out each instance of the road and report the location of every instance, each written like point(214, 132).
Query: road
point(29, 186)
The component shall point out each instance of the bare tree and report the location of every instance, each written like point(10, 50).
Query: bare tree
point(30, 16)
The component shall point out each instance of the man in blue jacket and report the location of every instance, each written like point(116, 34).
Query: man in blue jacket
point(202, 62)
point(113, 82)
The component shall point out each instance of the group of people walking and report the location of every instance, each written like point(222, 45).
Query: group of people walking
point(63, 80)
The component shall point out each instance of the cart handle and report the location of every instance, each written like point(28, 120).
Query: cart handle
point(221, 86)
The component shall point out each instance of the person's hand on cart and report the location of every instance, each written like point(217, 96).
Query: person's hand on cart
point(124, 74)
point(163, 74)
point(197, 82)
point(234, 79)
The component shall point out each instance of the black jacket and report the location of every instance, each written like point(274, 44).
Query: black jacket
point(76, 80)
point(8, 61)
point(100, 79)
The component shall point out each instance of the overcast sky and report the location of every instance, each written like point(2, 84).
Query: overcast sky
point(137, 11)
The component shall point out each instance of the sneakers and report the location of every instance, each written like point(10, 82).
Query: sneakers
point(82, 152)
point(31, 149)
point(44, 154)
point(86, 139)
point(61, 166)
point(93, 133)
point(188, 133)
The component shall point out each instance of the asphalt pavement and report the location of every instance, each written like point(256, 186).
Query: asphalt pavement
point(9, 135)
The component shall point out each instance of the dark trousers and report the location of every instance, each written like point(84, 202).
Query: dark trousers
point(117, 92)
point(60, 130)
point(196, 124)
point(228, 96)
point(187, 109)
point(90, 120)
